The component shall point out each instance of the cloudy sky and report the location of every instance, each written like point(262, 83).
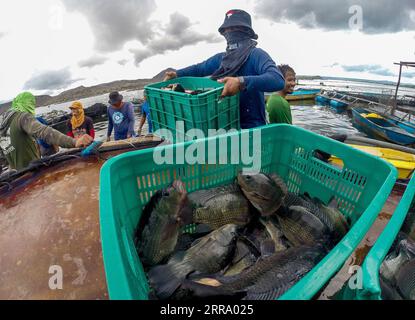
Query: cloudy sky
point(48, 46)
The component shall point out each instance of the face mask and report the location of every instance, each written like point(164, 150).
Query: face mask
point(236, 36)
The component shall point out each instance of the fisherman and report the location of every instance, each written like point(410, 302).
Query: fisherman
point(242, 68)
point(120, 117)
point(79, 124)
point(278, 108)
point(145, 108)
point(19, 128)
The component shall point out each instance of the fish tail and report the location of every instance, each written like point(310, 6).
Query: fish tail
point(164, 280)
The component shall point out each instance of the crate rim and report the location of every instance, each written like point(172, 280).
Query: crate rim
point(374, 259)
point(183, 94)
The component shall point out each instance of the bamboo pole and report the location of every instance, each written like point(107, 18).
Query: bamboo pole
point(395, 104)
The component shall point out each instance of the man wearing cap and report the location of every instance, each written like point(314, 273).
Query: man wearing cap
point(120, 118)
point(19, 129)
point(242, 68)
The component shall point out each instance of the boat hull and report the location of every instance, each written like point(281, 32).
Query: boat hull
point(385, 130)
point(50, 220)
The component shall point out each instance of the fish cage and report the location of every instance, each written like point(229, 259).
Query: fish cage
point(127, 182)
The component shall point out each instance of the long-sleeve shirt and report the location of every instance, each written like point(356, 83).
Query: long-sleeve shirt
point(260, 75)
point(19, 129)
point(86, 128)
point(121, 120)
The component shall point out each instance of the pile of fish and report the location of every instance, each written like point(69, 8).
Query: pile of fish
point(397, 273)
point(249, 240)
point(177, 87)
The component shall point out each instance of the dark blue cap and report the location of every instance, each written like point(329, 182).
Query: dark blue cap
point(238, 18)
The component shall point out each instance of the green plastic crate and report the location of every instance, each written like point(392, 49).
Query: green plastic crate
point(203, 111)
point(128, 181)
point(371, 289)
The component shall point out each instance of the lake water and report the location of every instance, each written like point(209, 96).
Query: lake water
point(306, 114)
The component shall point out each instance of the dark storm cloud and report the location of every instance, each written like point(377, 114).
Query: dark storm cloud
point(177, 34)
point(116, 22)
point(50, 80)
point(379, 16)
point(369, 68)
point(92, 61)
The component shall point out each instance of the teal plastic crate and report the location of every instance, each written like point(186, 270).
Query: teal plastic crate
point(203, 111)
point(128, 181)
point(371, 289)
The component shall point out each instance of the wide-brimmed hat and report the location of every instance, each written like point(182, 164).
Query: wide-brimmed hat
point(238, 18)
point(115, 97)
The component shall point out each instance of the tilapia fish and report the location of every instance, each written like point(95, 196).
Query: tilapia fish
point(404, 252)
point(275, 233)
point(209, 254)
point(301, 227)
point(332, 218)
point(158, 237)
point(265, 193)
point(268, 279)
point(221, 206)
point(329, 215)
point(279, 280)
point(406, 280)
point(246, 254)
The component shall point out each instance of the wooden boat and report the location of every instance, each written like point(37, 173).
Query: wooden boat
point(303, 94)
point(338, 105)
point(406, 125)
point(404, 162)
point(50, 217)
point(379, 127)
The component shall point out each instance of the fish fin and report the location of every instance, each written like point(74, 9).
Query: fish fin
point(146, 213)
point(164, 281)
point(333, 203)
point(279, 182)
point(267, 247)
point(252, 247)
point(179, 186)
point(194, 290)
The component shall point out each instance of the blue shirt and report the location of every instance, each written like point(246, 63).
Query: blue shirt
point(260, 74)
point(122, 121)
point(145, 108)
point(40, 141)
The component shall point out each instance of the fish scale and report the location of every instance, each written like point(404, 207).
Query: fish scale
point(406, 280)
point(275, 262)
point(275, 283)
point(159, 237)
point(301, 227)
point(208, 255)
point(222, 209)
point(331, 217)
